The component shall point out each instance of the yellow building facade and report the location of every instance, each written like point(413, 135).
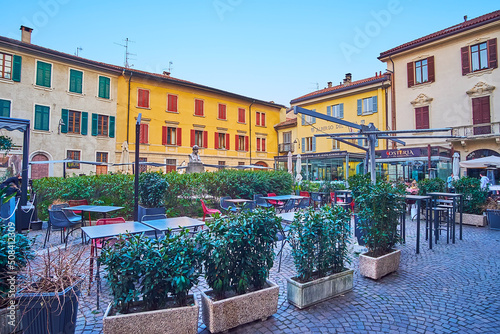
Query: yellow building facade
point(229, 129)
point(361, 102)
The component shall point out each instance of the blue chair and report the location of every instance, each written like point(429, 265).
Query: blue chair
point(288, 206)
point(261, 202)
point(248, 206)
point(303, 203)
point(227, 206)
point(59, 221)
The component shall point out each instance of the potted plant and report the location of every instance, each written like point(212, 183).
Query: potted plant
point(238, 253)
point(15, 251)
point(319, 240)
point(49, 291)
point(357, 184)
point(474, 198)
point(150, 282)
point(380, 206)
point(492, 209)
point(152, 188)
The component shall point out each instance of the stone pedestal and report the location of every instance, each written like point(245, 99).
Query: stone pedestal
point(195, 167)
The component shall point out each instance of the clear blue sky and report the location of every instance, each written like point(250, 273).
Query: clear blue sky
point(270, 50)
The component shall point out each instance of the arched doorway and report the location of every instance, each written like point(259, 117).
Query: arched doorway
point(39, 171)
point(261, 163)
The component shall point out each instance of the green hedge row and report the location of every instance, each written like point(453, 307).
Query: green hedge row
point(182, 195)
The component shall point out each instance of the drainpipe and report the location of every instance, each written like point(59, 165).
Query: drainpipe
point(128, 106)
point(250, 126)
point(393, 99)
point(386, 118)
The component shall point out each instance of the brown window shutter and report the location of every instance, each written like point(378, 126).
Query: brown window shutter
point(418, 118)
point(411, 75)
point(227, 141)
point(164, 135)
point(179, 136)
point(465, 60)
point(192, 137)
point(216, 144)
point(492, 53)
point(425, 117)
point(430, 64)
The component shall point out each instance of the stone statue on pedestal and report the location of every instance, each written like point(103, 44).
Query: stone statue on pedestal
point(195, 165)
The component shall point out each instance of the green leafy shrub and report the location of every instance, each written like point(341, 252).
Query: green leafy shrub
point(330, 186)
point(426, 186)
point(319, 240)
point(473, 196)
point(152, 189)
point(380, 206)
point(307, 185)
point(238, 251)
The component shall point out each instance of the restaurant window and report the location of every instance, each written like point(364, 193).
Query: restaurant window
point(73, 155)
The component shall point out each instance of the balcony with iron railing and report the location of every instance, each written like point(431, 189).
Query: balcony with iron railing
point(286, 147)
point(477, 131)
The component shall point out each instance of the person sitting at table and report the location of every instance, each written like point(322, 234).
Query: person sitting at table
point(413, 189)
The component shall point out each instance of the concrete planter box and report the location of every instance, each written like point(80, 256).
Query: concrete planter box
point(306, 294)
point(144, 211)
point(470, 219)
point(493, 219)
point(178, 320)
point(377, 267)
point(231, 312)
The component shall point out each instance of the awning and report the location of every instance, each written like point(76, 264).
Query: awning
point(491, 161)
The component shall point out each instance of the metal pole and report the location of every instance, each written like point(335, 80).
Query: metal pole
point(136, 164)
point(346, 166)
point(371, 145)
point(24, 185)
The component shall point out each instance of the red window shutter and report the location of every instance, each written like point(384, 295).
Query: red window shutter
point(164, 135)
point(430, 68)
point(257, 118)
point(236, 142)
point(216, 144)
point(418, 118)
point(411, 75)
point(172, 103)
point(198, 107)
point(492, 53)
point(465, 60)
point(246, 143)
point(205, 139)
point(263, 121)
point(258, 144)
point(222, 111)
point(476, 111)
point(241, 115)
point(192, 137)
point(227, 141)
point(143, 98)
point(143, 135)
point(179, 137)
point(263, 144)
point(425, 117)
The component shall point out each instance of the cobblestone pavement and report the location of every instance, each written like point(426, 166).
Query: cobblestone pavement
point(453, 288)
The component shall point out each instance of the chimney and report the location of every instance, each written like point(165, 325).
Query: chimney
point(329, 84)
point(26, 34)
point(465, 18)
point(166, 73)
point(348, 78)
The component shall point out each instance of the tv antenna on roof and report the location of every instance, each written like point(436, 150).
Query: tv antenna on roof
point(170, 66)
point(78, 49)
point(316, 84)
point(127, 54)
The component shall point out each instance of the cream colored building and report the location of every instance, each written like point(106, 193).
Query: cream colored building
point(450, 79)
point(70, 101)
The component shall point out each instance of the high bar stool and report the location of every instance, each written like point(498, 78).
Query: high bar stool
point(441, 222)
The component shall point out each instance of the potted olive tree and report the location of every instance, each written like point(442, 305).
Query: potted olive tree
point(152, 188)
point(150, 282)
point(380, 206)
point(238, 253)
point(319, 240)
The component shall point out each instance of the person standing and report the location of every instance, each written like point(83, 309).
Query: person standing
point(484, 180)
point(449, 182)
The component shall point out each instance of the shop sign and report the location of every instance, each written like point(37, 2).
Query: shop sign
point(403, 153)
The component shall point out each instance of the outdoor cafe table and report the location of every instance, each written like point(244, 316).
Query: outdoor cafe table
point(111, 230)
point(238, 201)
point(418, 200)
point(283, 198)
point(104, 209)
point(175, 223)
point(458, 203)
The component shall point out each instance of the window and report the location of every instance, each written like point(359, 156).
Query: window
point(221, 163)
point(261, 144)
point(480, 56)
point(42, 114)
point(308, 120)
point(75, 81)
point(143, 98)
point(73, 155)
point(171, 165)
point(335, 145)
point(200, 138)
point(481, 114)
point(143, 168)
point(241, 115)
point(241, 143)
point(222, 140)
point(198, 107)
point(171, 136)
point(144, 134)
point(241, 163)
point(101, 157)
point(287, 137)
point(421, 71)
point(367, 106)
point(172, 103)
point(336, 110)
point(308, 144)
point(102, 125)
point(74, 120)
point(222, 111)
point(260, 118)
point(43, 74)
point(4, 108)
point(104, 87)
point(5, 66)
point(422, 118)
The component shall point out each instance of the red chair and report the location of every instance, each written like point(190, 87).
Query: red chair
point(207, 211)
point(99, 243)
point(332, 197)
point(76, 202)
point(273, 202)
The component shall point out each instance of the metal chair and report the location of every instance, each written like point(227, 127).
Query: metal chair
point(59, 221)
point(248, 206)
point(227, 206)
point(69, 213)
point(288, 206)
point(303, 203)
point(260, 201)
point(76, 202)
point(316, 198)
point(273, 202)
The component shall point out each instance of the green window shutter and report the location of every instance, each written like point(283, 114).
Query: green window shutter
point(314, 144)
point(64, 116)
point(16, 68)
point(313, 121)
point(104, 86)
point(75, 81)
point(375, 106)
point(303, 119)
point(85, 123)
point(329, 111)
point(95, 118)
point(360, 107)
point(303, 145)
point(41, 118)
point(43, 73)
point(341, 110)
point(4, 108)
point(111, 127)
